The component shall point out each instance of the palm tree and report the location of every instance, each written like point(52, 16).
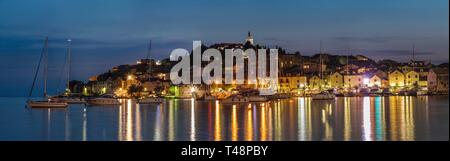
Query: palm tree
point(135, 91)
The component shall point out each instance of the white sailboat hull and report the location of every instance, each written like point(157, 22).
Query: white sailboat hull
point(46, 104)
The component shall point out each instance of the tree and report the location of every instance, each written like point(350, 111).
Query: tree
point(135, 91)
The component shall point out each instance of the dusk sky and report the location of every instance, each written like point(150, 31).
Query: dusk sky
point(109, 33)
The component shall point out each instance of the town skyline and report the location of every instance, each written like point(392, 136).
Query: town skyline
point(107, 35)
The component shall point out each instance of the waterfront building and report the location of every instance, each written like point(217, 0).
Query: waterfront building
point(336, 80)
point(315, 82)
point(396, 78)
point(353, 81)
point(290, 84)
point(100, 87)
point(431, 81)
point(438, 80)
point(423, 82)
point(411, 79)
point(378, 81)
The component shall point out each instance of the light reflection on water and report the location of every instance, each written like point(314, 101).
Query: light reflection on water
point(303, 119)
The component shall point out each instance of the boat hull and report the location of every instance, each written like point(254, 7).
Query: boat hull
point(323, 97)
point(150, 100)
point(71, 100)
point(46, 104)
point(257, 99)
point(103, 101)
point(235, 100)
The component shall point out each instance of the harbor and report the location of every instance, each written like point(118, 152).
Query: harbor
point(396, 118)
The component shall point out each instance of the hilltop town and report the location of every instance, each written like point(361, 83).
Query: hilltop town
point(299, 75)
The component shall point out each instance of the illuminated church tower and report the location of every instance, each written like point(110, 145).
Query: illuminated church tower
point(249, 38)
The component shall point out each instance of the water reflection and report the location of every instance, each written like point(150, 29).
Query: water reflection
point(192, 137)
point(234, 124)
point(351, 118)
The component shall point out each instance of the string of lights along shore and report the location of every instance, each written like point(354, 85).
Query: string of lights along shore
point(299, 75)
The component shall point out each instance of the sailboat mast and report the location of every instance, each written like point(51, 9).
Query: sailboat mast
point(45, 66)
point(68, 65)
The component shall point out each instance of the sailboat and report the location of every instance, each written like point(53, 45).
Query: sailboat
point(45, 102)
point(68, 97)
point(155, 99)
point(323, 95)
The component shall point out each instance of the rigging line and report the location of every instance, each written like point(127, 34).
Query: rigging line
point(38, 67)
point(61, 73)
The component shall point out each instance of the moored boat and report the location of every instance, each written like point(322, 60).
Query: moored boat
point(45, 102)
point(235, 99)
point(323, 96)
point(103, 100)
point(257, 99)
point(150, 100)
point(69, 99)
point(210, 98)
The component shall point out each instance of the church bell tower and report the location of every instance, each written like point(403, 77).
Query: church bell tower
point(249, 38)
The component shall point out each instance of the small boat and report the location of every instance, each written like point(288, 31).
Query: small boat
point(45, 102)
point(257, 99)
point(150, 100)
point(323, 96)
point(236, 99)
point(103, 100)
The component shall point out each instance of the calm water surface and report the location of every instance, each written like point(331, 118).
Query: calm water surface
point(367, 118)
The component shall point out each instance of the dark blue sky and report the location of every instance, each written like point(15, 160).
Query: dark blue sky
point(108, 33)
